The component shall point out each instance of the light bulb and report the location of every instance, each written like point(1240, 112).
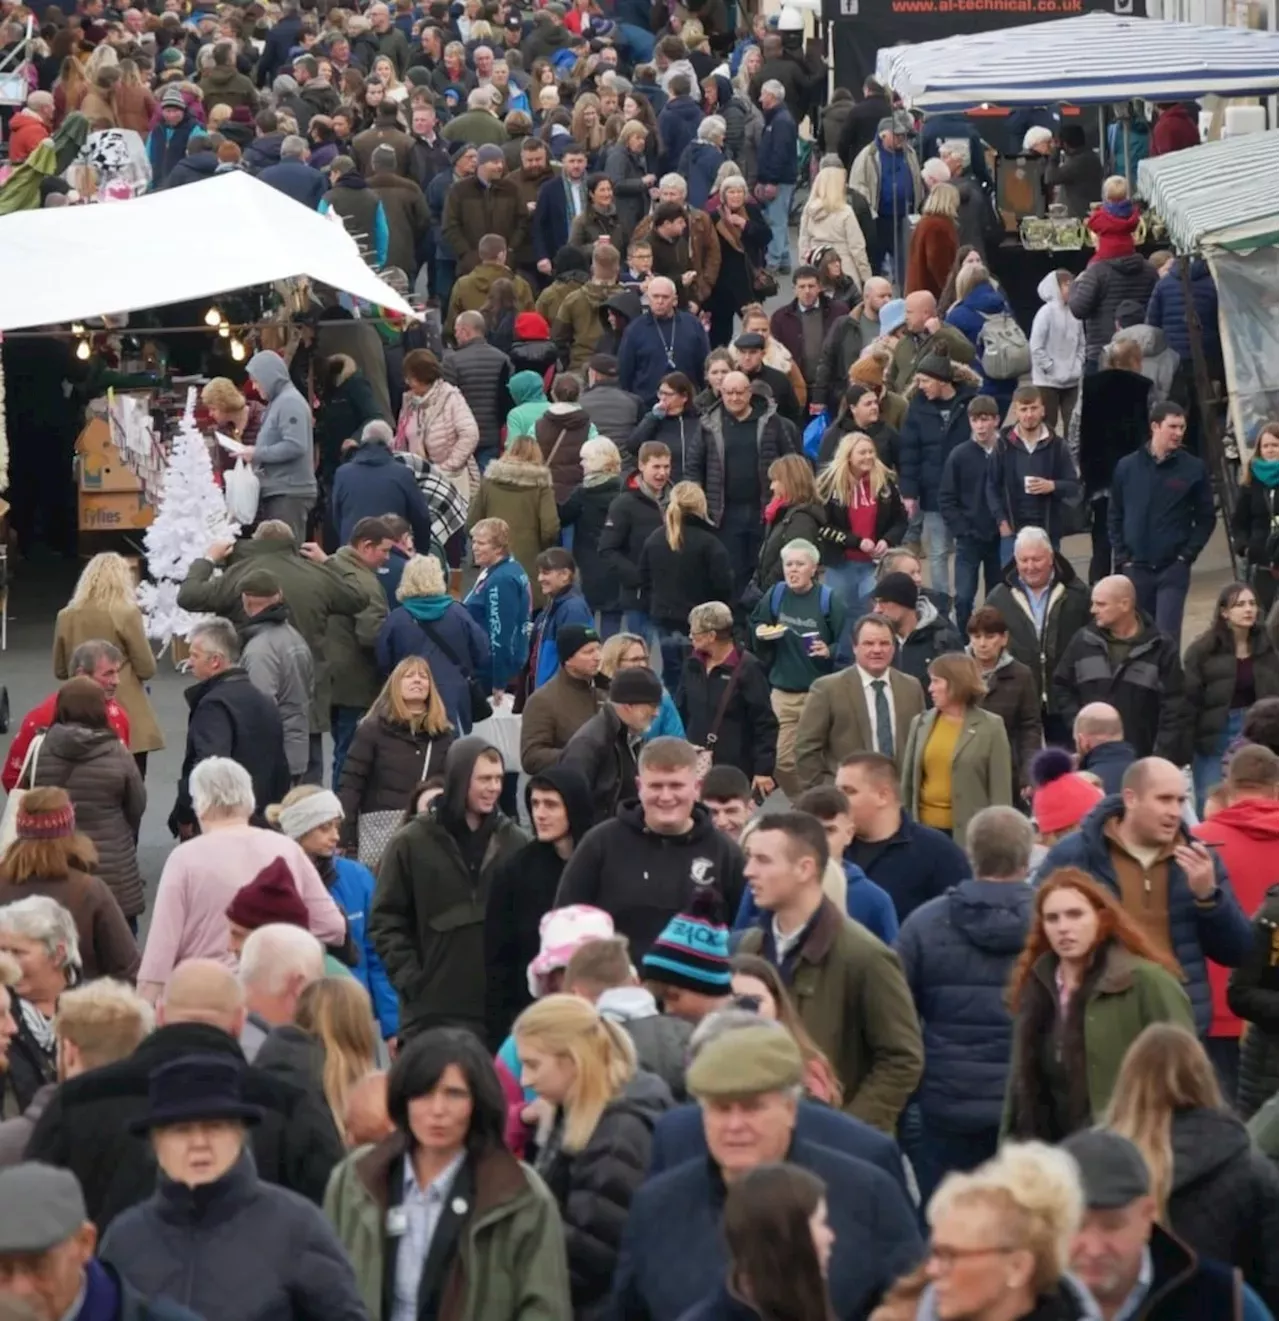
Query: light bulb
point(225, 331)
point(237, 350)
point(83, 350)
point(77, 327)
point(213, 317)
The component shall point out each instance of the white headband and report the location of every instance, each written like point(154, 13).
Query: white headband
point(314, 810)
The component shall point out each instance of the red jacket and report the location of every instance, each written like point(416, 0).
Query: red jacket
point(1247, 834)
point(26, 132)
point(1175, 130)
point(38, 719)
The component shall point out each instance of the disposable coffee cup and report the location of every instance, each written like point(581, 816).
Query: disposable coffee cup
point(1026, 484)
point(809, 640)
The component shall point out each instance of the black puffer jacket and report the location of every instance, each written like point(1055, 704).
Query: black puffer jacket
point(385, 761)
point(682, 435)
point(602, 752)
point(631, 519)
point(1224, 1195)
point(102, 780)
point(594, 1187)
point(1253, 523)
point(1252, 993)
point(748, 734)
point(672, 582)
point(793, 523)
point(1095, 295)
point(586, 511)
point(1209, 673)
point(704, 460)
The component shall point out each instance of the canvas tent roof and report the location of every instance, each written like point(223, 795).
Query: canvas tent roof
point(1223, 194)
point(1089, 59)
point(185, 243)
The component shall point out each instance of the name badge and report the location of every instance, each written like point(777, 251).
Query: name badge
point(458, 1206)
point(397, 1222)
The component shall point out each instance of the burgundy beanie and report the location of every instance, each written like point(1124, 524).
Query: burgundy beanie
point(270, 897)
point(58, 824)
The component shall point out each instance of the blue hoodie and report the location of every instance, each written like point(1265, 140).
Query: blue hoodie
point(501, 603)
point(353, 893)
point(570, 607)
point(865, 902)
point(677, 128)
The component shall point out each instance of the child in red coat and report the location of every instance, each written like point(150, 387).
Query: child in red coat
point(1114, 221)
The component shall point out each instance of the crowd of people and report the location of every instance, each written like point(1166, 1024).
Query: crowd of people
point(834, 945)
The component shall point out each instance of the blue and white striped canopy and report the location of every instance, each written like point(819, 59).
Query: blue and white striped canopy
point(1221, 194)
point(1086, 60)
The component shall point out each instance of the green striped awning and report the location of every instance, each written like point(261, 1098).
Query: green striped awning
point(1223, 194)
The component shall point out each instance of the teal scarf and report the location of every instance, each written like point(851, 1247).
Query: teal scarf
point(1267, 471)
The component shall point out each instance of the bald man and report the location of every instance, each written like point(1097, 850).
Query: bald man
point(1100, 742)
point(1122, 659)
point(923, 335)
point(847, 341)
point(664, 339)
point(1176, 890)
point(86, 1126)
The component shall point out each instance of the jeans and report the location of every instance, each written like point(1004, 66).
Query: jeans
point(937, 1151)
point(446, 275)
point(676, 648)
point(852, 581)
point(940, 545)
point(342, 726)
point(972, 555)
point(610, 623)
point(776, 214)
point(638, 622)
point(1102, 560)
point(1206, 767)
point(1162, 593)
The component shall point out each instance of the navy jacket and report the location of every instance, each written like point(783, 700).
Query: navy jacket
point(298, 180)
point(933, 428)
point(1168, 310)
point(700, 163)
point(776, 155)
point(642, 355)
point(263, 152)
point(673, 1252)
point(677, 128)
point(962, 493)
point(403, 636)
point(551, 218)
point(914, 865)
point(370, 484)
point(957, 952)
point(1160, 512)
point(679, 1136)
point(281, 38)
point(1109, 761)
point(1006, 492)
point(1219, 930)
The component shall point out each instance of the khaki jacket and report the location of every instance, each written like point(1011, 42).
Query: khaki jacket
point(981, 769)
point(835, 722)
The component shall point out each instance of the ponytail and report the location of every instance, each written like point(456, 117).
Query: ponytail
point(686, 498)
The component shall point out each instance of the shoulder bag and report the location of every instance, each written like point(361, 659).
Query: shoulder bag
point(706, 754)
point(481, 708)
point(9, 822)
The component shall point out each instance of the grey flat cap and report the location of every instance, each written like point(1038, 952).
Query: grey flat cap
point(40, 1207)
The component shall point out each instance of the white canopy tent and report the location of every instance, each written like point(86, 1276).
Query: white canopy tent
point(185, 243)
point(1091, 59)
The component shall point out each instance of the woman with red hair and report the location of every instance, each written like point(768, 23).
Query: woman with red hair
point(1086, 984)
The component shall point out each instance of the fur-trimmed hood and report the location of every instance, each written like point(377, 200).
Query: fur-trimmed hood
point(511, 472)
point(340, 369)
point(961, 375)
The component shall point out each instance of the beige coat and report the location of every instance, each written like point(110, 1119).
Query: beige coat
point(835, 723)
point(122, 628)
point(839, 230)
point(521, 495)
point(981, 769)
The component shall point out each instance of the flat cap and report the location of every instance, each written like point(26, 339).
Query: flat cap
point(749, 339)
point(260, 582)
point(1112, 1170)
point(747, 1062)
point(40, 1207)
point(604, 364)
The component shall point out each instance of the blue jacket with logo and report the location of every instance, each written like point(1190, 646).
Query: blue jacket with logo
point(500, 602)
point(568, 608)
point(1160, 512)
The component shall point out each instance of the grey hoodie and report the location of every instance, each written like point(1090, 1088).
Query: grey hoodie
point(284, 453)
point(1159, 361)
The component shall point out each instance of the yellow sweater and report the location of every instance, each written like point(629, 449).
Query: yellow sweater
point(935, 773)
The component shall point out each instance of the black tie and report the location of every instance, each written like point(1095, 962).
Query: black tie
point(884, 723)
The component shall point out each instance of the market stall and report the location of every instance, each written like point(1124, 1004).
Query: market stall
point(1221, 201)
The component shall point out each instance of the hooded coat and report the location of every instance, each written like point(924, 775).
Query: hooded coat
point(1098, 291)
point(586, 511)
point(528, 403)
point(957, 952)
point(521, 494)
point(630, 520)
point(278, 662)
point(1252, 994)
point(561, 433)
point(226, 85)
point(434, 884)
point(372, 484)
point(1057, 340)
point(579, 323)
point(521, 893)
point(642, 879)
point(1159, 362)
point(284, 452)
point(403, 634)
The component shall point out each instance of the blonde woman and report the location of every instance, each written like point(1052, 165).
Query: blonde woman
point(592, 1146)
point(864, 504)
point(104, 608)
point(628, 165)
point(384, 70)
point(1212, 1188)
point(587, 128)
point(233, 415)
point(337, 1014)
point(629, 651)
point(517, 488)
point(1000, 1241)
point(312, 817)
point(794, 513)
point(585, 511)
point(682, 564)
point(934, 241)
point(134, 103)
point(978, 298)
point(404, 738)
point(829, 221)
point(429, 623)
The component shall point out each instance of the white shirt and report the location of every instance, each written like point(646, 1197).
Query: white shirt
point(870, 694)
point(420, 1211)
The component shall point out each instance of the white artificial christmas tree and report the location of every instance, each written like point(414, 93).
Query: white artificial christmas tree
point(190, 517)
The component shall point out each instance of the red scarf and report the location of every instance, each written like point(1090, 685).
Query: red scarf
point(773, 509)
